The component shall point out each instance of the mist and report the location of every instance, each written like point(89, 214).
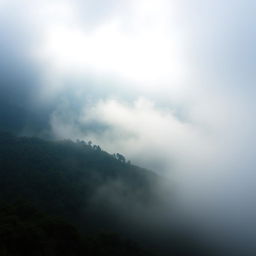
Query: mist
point(169, 84)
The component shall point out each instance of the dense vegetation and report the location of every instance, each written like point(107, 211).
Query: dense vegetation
point(72, 198)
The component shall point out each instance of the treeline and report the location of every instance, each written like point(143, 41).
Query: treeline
point(102, 202)
point(76, 181)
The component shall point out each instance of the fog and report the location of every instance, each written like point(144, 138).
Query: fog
point(169, 84)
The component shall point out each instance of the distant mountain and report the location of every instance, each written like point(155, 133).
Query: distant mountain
point(91, 190)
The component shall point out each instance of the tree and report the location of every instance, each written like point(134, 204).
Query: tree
point(120, 157)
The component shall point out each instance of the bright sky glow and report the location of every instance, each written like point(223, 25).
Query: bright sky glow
point(146, 55)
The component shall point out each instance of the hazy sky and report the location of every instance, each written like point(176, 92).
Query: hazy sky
point(170, 84)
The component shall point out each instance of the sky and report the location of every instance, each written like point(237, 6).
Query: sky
point(169, 84)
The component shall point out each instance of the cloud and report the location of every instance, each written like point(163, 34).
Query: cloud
point(199, 153)
point(168, 83)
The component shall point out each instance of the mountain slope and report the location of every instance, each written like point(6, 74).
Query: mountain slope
point(66, 173)
point(90, 189)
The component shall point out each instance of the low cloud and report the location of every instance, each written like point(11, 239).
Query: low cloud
point(169, 84)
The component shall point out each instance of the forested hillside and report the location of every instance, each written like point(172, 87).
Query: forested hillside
point(66, 198)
